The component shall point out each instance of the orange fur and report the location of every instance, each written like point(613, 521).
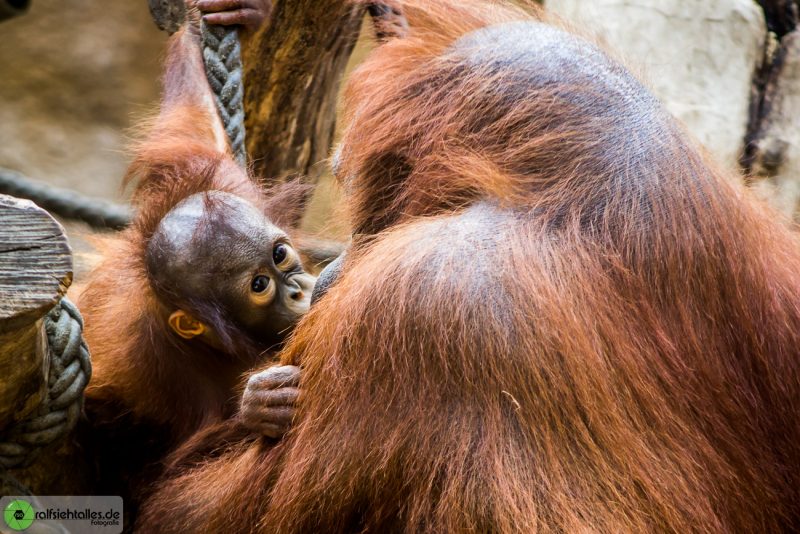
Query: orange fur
point(151, 389)
point(559, 315)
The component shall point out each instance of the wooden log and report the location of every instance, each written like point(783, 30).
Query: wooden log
point(293, 70)
point(781, 15)
point(774, 150)
point(35, 272)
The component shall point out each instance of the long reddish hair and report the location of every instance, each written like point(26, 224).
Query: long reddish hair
point(558, 315)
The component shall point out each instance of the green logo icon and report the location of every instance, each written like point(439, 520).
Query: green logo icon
point(18, 514)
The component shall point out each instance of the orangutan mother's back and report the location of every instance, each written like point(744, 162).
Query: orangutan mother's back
point(565, 319)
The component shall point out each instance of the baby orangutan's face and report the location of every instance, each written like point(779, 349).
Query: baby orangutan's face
point(216, 248)
point(275, 291)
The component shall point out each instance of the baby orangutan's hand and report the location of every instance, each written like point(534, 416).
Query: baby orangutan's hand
point(269, 399)
point(249, 14)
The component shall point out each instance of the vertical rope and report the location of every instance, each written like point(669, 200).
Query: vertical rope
point(223, 60)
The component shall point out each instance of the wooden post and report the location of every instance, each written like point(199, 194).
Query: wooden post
point(293, 70)
point(35, 272)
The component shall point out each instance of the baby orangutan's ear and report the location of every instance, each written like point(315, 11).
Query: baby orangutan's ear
point(185, 325)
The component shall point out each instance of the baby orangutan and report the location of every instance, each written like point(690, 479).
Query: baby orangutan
point(201, 287)
point(217, 247)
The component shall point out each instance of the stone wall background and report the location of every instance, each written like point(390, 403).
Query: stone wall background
point(75, 76)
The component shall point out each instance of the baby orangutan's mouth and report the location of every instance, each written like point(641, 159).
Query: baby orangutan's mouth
point(300, 301)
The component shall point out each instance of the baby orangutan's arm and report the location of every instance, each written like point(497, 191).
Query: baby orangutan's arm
point(269, 400)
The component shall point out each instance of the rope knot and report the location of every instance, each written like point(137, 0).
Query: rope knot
point(70, 370)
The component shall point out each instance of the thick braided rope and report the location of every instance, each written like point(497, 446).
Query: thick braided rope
point(65, 203)
point(223, 60)
point(70, 370)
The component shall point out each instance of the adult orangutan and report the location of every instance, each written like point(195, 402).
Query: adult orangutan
point(557, 314)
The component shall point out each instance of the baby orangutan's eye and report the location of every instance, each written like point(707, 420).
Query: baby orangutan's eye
point(279, 253)
point(259, 284)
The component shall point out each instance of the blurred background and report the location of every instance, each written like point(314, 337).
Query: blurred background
point(75, 76)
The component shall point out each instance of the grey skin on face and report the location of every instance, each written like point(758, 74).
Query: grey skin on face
point(217, 251)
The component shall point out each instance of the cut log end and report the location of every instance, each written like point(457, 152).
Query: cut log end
point(35, 263)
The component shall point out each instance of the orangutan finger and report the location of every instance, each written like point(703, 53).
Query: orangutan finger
point(215, 6)
point(274, 397)
point(274, 378)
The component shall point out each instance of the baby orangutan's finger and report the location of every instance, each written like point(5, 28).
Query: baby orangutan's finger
point(243, 17)
point(214, 6)
point(272, 397)
point(272, 422)
point(274, 378)
point(279, 416)
point(250, 14)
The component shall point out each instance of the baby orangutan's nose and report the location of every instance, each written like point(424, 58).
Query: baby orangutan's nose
point(295, 291)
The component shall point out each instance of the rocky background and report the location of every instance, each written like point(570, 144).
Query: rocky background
point(75, 76)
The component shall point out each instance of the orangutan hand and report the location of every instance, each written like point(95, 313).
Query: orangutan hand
point(269, 400)
point(250, 15)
